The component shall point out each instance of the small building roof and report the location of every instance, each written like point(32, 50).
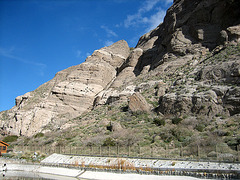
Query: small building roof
point(6, 144)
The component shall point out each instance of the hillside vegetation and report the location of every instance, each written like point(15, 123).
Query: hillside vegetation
point(175, 94)
point(115, 124)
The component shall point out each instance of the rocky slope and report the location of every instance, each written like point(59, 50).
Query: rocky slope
point(188, 68)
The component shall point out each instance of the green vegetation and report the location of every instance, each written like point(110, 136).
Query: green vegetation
point(131, 48)
point(115, 124)
point(109, 142)
point(200, 127)
point(11, 138)
point(38, 135)
point(159, 122)
point(176, 120)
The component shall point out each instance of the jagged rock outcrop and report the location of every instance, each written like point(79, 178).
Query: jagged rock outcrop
point(190, 27)
point(226, 72)
point(126, 71)
point(194, 30)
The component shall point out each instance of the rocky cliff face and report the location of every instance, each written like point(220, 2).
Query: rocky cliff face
point(177, 58)
point(70, 93)
point(190, 28)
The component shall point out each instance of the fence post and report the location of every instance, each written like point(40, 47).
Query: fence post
point(166, 152)
point(117, 150)
point(108, 150)
point(238, 147)
point(139, 151)
point(181, 150)
point(128, 150)
point(151, 151)
point(198, 152)
point(100, 150)
point(217, 151)
point(80, 150)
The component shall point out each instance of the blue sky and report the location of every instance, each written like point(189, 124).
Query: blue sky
point(38, 38)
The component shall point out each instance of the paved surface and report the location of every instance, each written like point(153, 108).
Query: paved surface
point(111, 176)
point(37, 171)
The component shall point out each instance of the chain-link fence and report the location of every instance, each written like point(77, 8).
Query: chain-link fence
point(210, 153)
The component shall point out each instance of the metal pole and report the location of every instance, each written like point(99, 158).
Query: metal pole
point(198, 152)
point(151, 151)
point(118, 150)
point(128, 151)
point(166, 154)
point(139, 151)
point(238, 147)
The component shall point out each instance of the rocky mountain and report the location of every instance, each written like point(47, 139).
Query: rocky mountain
point(70, 93)
point(188, 67)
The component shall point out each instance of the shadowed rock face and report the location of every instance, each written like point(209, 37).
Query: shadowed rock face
point(191, 30)
point(190, 27)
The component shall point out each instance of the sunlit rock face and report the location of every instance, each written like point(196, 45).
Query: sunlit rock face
point(70, 93)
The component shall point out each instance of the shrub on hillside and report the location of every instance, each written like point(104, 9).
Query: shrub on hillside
point(176, 120)
point(39, 135)
point(11, 138)
point(200, 127)
point(109, 142)
point(159, 122)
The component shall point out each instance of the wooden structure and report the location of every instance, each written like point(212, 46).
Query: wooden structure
point(3, 147)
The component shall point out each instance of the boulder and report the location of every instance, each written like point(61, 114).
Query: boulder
point(137, 103)
point(234, 34)
point(231, 100)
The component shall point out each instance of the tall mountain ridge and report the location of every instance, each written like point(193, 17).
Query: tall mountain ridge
point(188, 67)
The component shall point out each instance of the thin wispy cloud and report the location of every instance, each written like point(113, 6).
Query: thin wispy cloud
point(88, 54)
point(9, 53)
point(167, 2)
point(138, 17)
point(155, 19)
point(110, 33)
point(142, 17)
point(108, 43)
point(149, 4)
point(78, 53)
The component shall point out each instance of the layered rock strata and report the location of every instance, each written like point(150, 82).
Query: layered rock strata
point(70, 93)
